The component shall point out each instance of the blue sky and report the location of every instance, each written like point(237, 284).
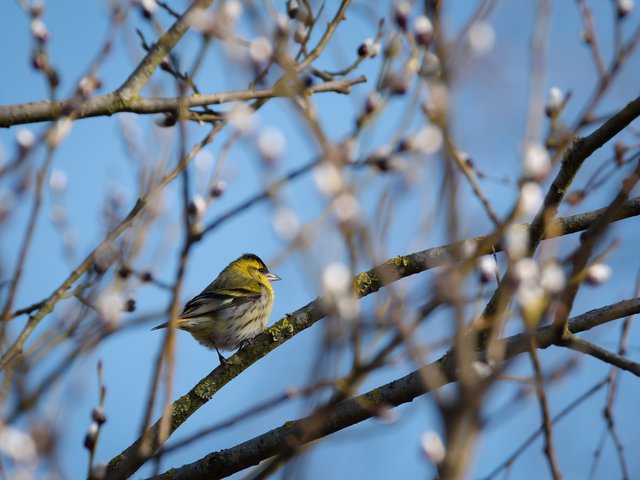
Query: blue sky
point(489, 104)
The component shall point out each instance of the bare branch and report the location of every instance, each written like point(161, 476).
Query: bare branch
point(365, 284)
point(111, 103)
point(583, 346)
point(362, 407)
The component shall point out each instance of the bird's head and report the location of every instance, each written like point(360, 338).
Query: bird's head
point(251, 265)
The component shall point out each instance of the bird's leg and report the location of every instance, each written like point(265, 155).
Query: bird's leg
point(223, 361)
point(245, 344)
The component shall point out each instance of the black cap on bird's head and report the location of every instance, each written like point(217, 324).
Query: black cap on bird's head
point(259, 265)
point(252, 257)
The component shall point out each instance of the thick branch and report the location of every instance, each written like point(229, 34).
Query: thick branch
point(114, 103)
point(365, 283)
point(360, 408)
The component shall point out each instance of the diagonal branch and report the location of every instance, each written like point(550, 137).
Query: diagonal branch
point(365, 284)
point(355, 410)
point(583, 346)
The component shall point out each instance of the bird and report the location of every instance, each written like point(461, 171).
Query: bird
point(232, 309)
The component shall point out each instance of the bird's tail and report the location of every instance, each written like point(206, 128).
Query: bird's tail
point(158, 327)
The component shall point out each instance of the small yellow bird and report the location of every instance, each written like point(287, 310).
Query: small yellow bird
point(233, 309)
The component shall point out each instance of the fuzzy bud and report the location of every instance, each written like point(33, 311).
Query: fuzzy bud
point(218, 189)
point(91, 436)
point(300, 34)
point(232, 10)
point(401, 14)
point(536, 162)
point(481, 370)
point(168, 119)
point(554, 102)
point(397, 83)
point(39, 60)
point(586, 37)
point(197, 207)
point(146, 277)
point(423, 30)
point(531, 198)
point(624, 7)
point(553, 278)
point(364, 49)
point(373, 101)
point(98, 415)
point(36, 9)
point(39, 30)
point(260, 50)
point(88, 85)
point(271, 144)
point(110, 305)
point(124, 272)
point(148, 7)
point(25, 138)
point(130, 305)
point(165, 64)
point(58, 181)
point(380, 158)
point(597, 274)
point(517, 241)
point(432, 447)
point(293, 8)
point(286, 223)
point(488, 269)
point(482, 37)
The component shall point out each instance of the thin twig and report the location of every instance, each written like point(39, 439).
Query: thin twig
point(547, 422)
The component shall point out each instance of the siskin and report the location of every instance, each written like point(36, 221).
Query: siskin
point(233, 309)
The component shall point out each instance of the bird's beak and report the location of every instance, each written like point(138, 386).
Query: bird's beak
point(272, 277)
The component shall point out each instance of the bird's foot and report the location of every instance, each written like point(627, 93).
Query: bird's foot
point(223, 361)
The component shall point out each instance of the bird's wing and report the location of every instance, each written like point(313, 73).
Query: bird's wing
point(210, 301)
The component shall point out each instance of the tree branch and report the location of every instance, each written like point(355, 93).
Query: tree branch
point(583, 346)
point(111, 103)
point(365, 284)
point(355, 410)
